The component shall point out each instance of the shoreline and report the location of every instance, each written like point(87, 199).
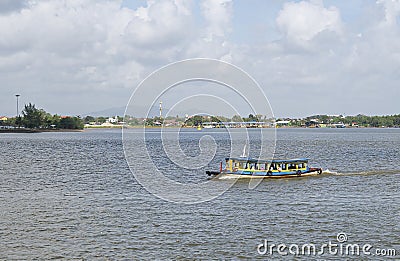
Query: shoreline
point(154, 127)
point(23, 130)
point(178, 127)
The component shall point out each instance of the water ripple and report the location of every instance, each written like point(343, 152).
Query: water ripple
point(72, 196)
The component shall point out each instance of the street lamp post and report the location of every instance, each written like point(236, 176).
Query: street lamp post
point(17, 95)
point(17, 119)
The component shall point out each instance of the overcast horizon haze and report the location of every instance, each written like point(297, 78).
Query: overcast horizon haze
point(309, 57)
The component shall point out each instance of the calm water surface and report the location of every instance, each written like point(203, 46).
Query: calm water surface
point(72, 196)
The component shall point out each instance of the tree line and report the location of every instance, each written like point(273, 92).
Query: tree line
point(34, 118)
point(357, 120)
point(198, 120)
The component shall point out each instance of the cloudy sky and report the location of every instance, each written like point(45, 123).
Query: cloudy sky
point(79, 56)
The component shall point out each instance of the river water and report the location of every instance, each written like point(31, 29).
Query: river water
point(72, 196)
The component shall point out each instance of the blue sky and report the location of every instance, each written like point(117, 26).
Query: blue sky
point(309, 57)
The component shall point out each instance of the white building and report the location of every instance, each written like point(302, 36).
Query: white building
point(113, 120)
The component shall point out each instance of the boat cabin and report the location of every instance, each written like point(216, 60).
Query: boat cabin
point(257, 165)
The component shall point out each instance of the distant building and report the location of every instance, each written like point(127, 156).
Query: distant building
point(113, 120)
point(171, 122)
point(282, 123)
point(3, 118)
point(339, 125)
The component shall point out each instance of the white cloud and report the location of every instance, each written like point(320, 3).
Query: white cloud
point(325, 65)
point(392, 11)
point(162, 23)
point(93, 53)
point(218, 16)
point(212, 40)
point(302, 21)
point(90, 46)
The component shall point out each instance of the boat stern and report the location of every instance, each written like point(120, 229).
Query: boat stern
point(315, 170)
point(212, 173)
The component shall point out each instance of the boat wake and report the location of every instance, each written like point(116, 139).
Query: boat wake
point(327, 171)
point(372, 172)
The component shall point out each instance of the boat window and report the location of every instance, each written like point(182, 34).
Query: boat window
point(300, 166)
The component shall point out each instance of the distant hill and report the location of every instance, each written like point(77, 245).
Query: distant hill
point(111, 112)
point(135, 111)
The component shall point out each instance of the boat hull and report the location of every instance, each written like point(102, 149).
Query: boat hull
point(273, 175)
point(250, 176)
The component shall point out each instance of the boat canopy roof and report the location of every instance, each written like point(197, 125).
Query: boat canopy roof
point(252, 160)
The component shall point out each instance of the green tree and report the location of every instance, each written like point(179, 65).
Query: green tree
point(71, 123)
point(48, 119)
point(396, 120)
point(149, 122)
point(18, 121)
point(132, 121)
point(222, 118)
point(250, 118)
point(88, 119)
point(55, 121)
point(237, 118)
point(32, 116)
point(101, 120)
point(196, 120)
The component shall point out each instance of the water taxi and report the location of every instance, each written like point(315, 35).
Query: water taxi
point(257, 168)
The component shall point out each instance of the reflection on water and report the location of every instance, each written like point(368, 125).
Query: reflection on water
point(71, 195)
